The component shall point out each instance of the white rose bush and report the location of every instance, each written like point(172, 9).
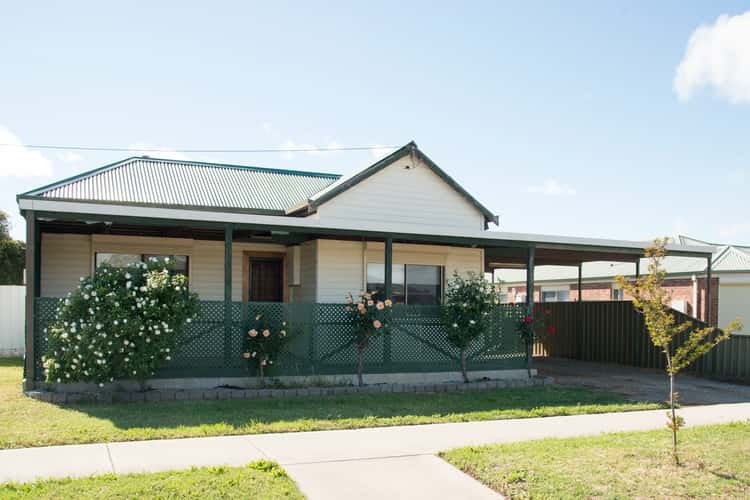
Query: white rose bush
point(121, 323)
point(469, 303)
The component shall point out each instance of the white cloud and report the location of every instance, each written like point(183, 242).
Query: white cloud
point(717, 56)
point(734, 230)
point(141, 149)
point(18, 161)
point(553, 187)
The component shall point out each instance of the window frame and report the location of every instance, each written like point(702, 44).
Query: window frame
point(441, 280)
point(143, 259)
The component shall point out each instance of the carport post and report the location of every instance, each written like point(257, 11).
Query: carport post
point(529, 298)
point(707, 319)
point(530, 282)
point(580, 280)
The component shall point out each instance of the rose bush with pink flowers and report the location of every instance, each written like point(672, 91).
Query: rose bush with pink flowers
point(370, 318)
point(264, 342)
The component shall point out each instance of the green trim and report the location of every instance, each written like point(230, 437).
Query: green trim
point(202, 208)
point(396, 155)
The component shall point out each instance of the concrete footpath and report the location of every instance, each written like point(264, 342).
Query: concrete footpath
point(386, 462)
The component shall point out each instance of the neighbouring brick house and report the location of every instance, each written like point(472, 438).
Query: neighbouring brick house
point(686, 281)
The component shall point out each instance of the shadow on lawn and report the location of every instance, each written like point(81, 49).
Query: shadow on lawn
point(392, 409)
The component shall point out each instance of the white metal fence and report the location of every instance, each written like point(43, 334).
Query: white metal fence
point(12, 309)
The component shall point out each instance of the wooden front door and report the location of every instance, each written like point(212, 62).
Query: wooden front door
point(266, 281)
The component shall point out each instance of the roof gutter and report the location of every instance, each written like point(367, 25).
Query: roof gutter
point(165, 215)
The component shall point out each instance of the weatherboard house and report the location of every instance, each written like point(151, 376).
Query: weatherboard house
point(293, 241)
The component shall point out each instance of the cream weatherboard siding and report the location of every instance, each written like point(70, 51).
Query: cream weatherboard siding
point(404, 199)
point(64, 259)
point(305, 291)
point(329, 269)
point(734, 301)
point(342, 264)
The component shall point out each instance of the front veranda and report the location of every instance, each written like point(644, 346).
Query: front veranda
point(211, 346)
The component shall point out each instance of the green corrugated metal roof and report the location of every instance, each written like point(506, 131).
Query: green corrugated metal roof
point(154, 181)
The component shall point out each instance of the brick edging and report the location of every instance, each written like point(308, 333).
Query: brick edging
point(226, 393)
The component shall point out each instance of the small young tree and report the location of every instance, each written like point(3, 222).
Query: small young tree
point(466, 314)
point(651, 299)
point(121, 323)
point(264, 343)
point(370, 318)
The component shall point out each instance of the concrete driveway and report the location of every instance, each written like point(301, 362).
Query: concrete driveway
point(640, 384)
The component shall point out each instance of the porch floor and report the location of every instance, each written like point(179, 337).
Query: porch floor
point(639, 384)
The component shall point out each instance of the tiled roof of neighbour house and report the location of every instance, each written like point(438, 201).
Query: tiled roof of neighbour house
point(726, 258)
point(161, 182)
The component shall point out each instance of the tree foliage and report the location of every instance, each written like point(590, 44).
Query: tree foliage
point(12, 255)
point(121, 323)
point(680, 343)
point(467, 312)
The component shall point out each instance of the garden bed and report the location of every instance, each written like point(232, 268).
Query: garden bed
point(228, 392)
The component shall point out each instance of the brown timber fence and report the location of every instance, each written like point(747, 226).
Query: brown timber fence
point(614, 332)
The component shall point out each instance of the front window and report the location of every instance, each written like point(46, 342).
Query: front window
point(618, 294)
point(179, 262)
point(411, 283)
point(555, 295)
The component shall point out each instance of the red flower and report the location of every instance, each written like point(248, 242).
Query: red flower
point(528, 320)
point(552, 329)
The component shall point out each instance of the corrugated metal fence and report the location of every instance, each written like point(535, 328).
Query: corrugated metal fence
point(614, 332)
point(12, 320)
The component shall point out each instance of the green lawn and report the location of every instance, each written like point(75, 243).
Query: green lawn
point(26, 422)
point(715, 463)
point(260, 479)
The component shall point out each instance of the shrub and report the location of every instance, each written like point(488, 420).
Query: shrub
point(264, 343)
point(466, 315)
point(370, 318)
point(532, 329)
point(121, 323)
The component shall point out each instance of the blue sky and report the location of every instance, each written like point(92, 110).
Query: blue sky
point(562, 117)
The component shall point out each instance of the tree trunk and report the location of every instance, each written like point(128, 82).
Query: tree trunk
point(261, 380)
point(360, 363)
point(674, 419)
point(463, 366)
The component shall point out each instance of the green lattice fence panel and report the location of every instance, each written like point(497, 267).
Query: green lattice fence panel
point(322, 341)
point(44, 313)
